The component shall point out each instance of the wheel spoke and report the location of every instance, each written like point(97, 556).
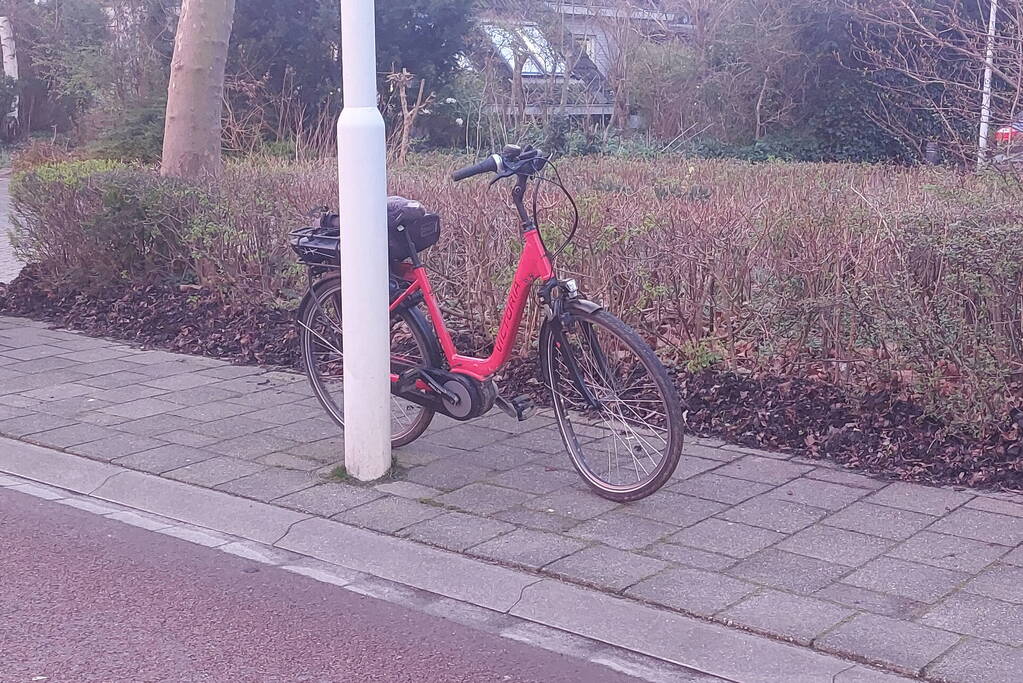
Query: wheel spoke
point(323, 340)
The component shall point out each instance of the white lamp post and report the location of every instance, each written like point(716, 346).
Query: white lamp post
point(362, 179)
point(985, 106)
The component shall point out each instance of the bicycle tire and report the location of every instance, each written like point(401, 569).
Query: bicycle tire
point(320, 298)
point(579, 433)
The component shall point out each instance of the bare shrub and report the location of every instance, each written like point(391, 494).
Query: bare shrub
point(871, 277)
point(37, 153)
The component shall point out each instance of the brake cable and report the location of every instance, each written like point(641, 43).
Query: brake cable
point(575, 209)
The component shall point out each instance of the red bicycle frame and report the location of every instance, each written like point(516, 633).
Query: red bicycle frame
point(534, 264)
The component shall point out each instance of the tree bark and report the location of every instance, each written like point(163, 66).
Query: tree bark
point(10, 59)
point(192, 133)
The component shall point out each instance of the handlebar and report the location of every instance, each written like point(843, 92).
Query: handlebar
point(524, 163)
point(492, 164)
point(513, 160)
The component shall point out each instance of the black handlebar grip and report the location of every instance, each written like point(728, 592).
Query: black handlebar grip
point(491, 164)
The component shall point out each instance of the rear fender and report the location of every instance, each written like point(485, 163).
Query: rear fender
point(306, 302)
point(395, 292)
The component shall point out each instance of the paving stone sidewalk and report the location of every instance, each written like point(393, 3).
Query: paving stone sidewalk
point(921, 580)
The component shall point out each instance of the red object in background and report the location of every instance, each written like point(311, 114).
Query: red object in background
point(1007, 134)
point(1012, 132)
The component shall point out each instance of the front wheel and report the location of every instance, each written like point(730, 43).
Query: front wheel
point(618, 411)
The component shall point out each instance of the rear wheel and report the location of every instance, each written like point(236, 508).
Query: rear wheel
point(619, 413)
point(320, 341)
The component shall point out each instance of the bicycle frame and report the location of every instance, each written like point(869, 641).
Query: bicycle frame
point(534, 264)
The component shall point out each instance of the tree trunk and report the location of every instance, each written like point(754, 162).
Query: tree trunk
point(192, 133)
point(758, 109)
point(10, 60)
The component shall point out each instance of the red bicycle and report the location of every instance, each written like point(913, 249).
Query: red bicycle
point(618, 412)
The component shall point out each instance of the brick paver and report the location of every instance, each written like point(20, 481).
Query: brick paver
point(908, 579)
point(456, 530)
point(979, 661)
point(696, 591)
point(328, 500)
point(798, 617)
point(979, 616)
point(607, 567)
point(920, 579)
point(903, 645)
point(528, 547)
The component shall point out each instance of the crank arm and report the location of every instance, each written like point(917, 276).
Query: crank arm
point(419, 398)
point(406, 384)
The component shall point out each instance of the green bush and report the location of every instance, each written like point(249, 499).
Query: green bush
point(775, 147)
point(137, 135)
point(70, 174)
point(93, 223)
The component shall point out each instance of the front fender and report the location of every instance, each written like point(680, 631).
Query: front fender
point(571, 306)
point(546, 330)
point(584, 305)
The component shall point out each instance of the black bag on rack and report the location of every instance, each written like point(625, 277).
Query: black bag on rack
point(409, 216)
point(318, 245)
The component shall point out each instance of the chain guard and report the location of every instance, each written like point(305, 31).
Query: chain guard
point(466, 397)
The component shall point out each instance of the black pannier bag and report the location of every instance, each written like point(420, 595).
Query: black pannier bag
point(408, 217)
point(318, 245)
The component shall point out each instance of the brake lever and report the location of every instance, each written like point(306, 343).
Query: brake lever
point(530, 159)
point(507, 173)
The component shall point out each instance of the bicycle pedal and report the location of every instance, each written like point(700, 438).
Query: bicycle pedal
point(521, 407)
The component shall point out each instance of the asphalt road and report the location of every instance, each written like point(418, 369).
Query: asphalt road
point(83, 598)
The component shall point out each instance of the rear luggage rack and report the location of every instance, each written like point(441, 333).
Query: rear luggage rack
point(317, 246)
point(410, 230)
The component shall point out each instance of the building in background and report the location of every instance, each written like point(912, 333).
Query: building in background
point(549, 59)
